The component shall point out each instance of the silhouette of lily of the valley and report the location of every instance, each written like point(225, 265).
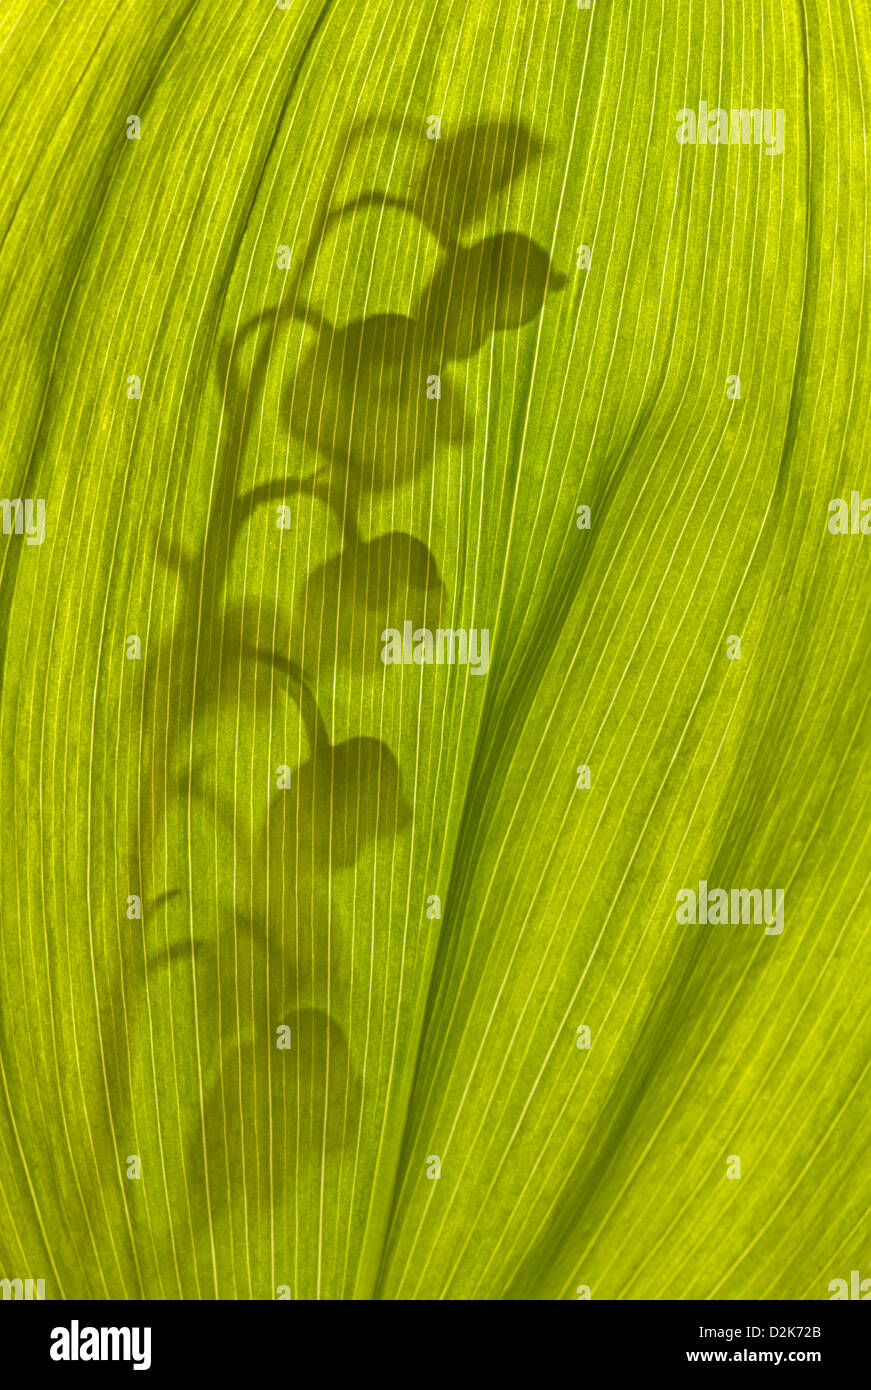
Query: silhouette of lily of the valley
point(357, 406)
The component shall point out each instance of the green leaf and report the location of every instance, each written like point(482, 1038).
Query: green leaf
point(390, 998)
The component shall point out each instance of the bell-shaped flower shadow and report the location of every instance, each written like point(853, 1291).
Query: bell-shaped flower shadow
point(321, 1092)
point(339, 802)
point(300, 1063)
point(370, 585)
point(495, 285)
point(364, 400)
point(466, 171)
point(282, 1099)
